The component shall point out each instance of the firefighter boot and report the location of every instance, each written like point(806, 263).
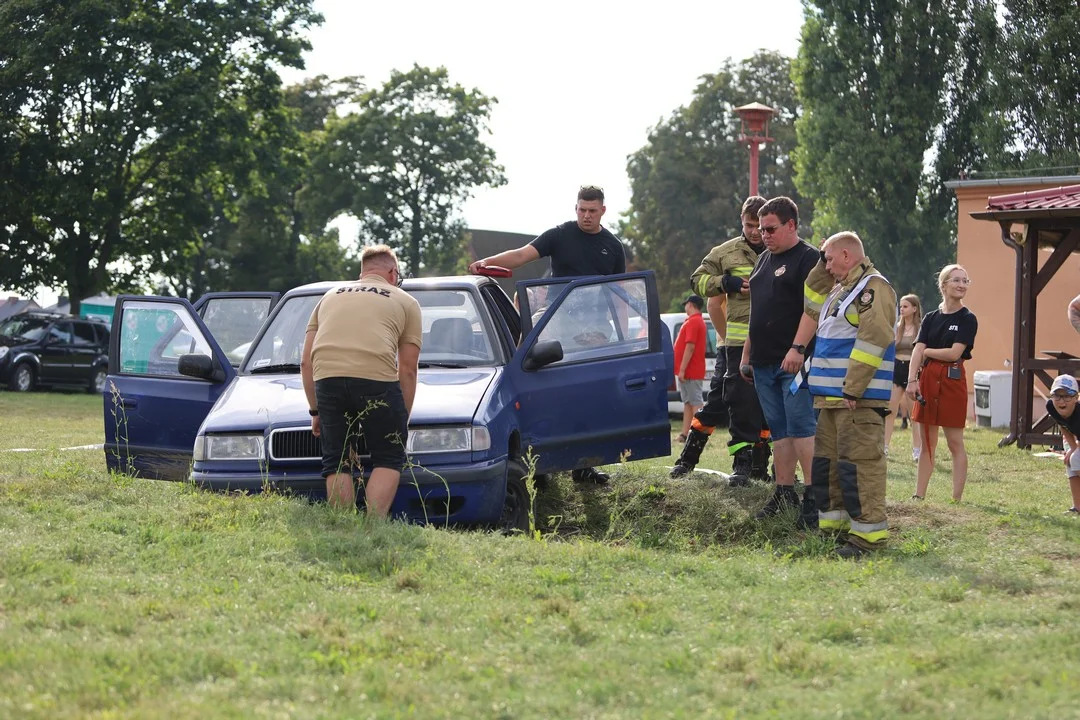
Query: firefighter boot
point(783, 496)
point(759, 461)
point(808, 512)
point(740, 468)
point(691, 453)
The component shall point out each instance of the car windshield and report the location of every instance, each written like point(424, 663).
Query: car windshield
point(455, 332)
point(26, 328)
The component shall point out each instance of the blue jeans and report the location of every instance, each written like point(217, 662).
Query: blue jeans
point(787, 415)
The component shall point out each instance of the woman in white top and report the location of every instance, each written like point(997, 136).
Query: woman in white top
point(907, 330)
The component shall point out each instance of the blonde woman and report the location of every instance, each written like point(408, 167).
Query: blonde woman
point(907, 330)
point(937, 379)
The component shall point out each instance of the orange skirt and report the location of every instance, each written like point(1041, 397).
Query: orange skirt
point(944, 400)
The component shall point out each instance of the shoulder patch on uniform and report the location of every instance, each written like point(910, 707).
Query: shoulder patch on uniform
point(867, 298)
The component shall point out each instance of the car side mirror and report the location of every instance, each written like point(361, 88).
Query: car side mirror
point(200, 366)
point(543, 353)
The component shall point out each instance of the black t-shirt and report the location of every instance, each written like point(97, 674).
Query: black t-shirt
point(943, 330)
point(1071, 423)
point(574, 252)
point(776, 301)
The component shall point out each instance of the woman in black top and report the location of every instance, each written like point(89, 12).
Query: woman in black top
point(937, 379)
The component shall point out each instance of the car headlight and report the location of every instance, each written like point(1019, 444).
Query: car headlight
point(447, 439)
point(229, 447)
point(3, 351)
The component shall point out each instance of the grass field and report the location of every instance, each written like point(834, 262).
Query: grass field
point(649, 598)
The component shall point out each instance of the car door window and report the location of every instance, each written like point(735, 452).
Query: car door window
point(153, 336)
point(600, 320)
point(60, 334)
point(84, 335)
point(235, 321)
point(710, 341)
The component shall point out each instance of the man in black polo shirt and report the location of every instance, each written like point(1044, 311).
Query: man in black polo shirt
point(576, 248)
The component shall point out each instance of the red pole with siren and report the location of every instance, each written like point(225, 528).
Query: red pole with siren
point(754, 131)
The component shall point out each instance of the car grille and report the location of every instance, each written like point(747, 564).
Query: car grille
point(300, 444)
point(294, 444)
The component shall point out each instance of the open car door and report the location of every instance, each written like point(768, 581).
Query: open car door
point(152, 410)
point(592, 373)
point(234, 319)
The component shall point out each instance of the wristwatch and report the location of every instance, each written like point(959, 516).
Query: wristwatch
point(801, 349)
point(313, 413)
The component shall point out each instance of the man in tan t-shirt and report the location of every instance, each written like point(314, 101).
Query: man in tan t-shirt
point(359, 369)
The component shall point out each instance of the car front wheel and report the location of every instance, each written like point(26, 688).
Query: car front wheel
point(97, 381)
point(22, 378)
point(516, 505)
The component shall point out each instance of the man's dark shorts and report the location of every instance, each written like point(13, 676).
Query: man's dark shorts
point(351, 406)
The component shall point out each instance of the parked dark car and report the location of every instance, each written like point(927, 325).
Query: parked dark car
point(43, 349)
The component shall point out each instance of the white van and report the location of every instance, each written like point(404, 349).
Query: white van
point(674, 322)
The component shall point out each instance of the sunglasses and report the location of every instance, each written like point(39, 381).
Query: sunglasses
point(769, 230)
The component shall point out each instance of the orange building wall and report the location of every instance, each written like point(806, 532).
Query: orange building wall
point(992, 296)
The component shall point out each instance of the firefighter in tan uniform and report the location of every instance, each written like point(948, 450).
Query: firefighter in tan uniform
point(724, 273)
point(850, 377)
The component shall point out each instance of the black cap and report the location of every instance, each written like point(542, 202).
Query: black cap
point(696, 299)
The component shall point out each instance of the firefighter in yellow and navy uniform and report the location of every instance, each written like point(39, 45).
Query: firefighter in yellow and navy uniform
point(850, 378)
point(726, 271)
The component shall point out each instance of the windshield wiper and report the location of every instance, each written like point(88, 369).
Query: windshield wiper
point(440, 365)
point(280, 368)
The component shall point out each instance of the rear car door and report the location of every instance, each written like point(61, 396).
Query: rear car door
point(83, 352)
point(152, 412)
point(606, 398)
point(56, 354)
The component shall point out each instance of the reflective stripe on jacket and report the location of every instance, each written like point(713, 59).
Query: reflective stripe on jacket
point(838, 349)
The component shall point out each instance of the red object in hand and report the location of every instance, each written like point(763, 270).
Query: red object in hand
point(494, 271)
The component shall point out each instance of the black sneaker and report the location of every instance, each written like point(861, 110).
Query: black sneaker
point(808, 515)
point(590, 475)
point(1072, 511)
point(848, 551)
point(781, 497)
point(736, 480)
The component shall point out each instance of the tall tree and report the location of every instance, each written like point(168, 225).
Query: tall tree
point(104, 103)
point(1042, 76)
point(405, 162)
point(872, 77)
point(259, 236)
point(689, 181)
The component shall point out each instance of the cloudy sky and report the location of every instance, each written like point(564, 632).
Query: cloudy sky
point(578, 84)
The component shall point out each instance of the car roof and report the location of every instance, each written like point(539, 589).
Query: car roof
point(682, 316)
point(49, 315)
point(449, 282)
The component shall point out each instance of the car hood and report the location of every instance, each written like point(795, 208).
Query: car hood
point(443, 396)
point(8, 341)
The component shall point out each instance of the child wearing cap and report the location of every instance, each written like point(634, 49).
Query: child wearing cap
point(1062, 407)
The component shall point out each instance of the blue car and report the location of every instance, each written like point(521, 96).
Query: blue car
point(211, 393)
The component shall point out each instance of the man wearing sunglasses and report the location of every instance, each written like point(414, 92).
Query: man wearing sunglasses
point(776, 348)
point(363, 372)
